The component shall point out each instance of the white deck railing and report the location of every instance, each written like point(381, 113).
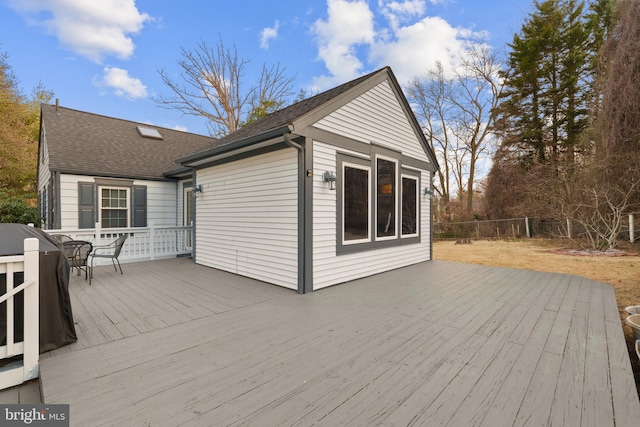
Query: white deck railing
point(142, 244)
point(17, 372)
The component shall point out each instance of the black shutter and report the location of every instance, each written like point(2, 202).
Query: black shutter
point(139, 206)
point(86, 205)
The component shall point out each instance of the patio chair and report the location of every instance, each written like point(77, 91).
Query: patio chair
point(111, 251)
point(61, 238)
point(77, 252)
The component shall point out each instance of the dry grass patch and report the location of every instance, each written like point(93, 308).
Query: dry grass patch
point(622, 272)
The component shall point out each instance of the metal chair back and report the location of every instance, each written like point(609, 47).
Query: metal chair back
point(119, 244)
point(77, 252)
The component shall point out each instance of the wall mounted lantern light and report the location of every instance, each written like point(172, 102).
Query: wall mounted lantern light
point(428, 192)
point(197, 190)
point(330, 177)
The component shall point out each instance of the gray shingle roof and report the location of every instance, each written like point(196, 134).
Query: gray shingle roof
point(288, 115)
point(90, 144)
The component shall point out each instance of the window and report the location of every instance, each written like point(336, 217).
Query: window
point(111, 203)
point(355, 208)
point(378, 201)
point(409, 206)
point(386, 198)
point(149, 132)
point(114, 207)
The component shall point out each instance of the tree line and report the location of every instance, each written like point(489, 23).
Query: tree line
point(568, 120)
point(557, 118)
point(19, 131)
point(560, 116)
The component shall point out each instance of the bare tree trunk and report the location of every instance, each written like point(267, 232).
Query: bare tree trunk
point(213, 87)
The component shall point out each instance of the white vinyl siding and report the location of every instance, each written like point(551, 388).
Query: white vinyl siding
point(247, 217)
point(44, 174)
point(329, 268)
point(376, 117)
point(44, 185)
point(161, 200)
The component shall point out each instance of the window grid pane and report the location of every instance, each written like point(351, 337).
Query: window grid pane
point(114, 210)
point(356, 204)
point(386, 198)
point(409, 206)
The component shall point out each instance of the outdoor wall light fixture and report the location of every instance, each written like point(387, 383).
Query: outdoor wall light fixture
point(330, 177)
point(197, 190)
point(428, 191)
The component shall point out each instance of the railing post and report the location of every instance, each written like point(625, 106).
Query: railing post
point(31, 308)
point(152, 248)
point(631, 230)
point(98, 235)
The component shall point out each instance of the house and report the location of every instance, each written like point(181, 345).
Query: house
point(330, 189)
point(96, 169)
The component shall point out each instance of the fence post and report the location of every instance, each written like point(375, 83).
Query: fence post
point(152, 248)
point(31, 309)
point(631, 230)
point(526, 225)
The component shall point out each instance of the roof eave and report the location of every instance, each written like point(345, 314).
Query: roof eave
point(111, 175)
point(203, 156)
point(183, 172)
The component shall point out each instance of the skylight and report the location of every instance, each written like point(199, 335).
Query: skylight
point(149, 132)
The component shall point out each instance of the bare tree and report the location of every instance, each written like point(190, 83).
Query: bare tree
point(478, 91)
point(456, 109)
point(602, 204)
point(213, 86)
point(610, 186)
point(429, 99)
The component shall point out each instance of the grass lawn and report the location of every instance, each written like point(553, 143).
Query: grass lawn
point(622, 272)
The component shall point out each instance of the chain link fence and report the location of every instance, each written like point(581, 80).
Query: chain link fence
point(495, 229)
point(516, 228)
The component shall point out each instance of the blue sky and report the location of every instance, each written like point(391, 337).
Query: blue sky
point(103, 56)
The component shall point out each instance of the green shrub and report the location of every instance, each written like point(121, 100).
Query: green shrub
point(15, 210)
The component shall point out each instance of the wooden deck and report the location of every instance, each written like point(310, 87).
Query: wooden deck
point(172, 343)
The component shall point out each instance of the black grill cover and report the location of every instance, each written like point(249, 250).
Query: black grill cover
point(56, 318)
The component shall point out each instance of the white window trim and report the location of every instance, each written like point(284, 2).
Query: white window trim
point(417, 233)
point(128, 209)
point(375, 213)
point(187, 194)
point(368, 169)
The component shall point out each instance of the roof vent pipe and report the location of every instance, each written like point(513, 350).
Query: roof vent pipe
point(57, 105)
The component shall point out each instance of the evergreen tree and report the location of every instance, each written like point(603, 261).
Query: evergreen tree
point(549, 97)
point(549, 84)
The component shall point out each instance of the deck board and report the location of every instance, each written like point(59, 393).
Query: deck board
point(438, 343)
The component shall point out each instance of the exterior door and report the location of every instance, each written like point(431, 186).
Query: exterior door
point(187, 217)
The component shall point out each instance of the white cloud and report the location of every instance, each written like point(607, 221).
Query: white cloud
point(397, 12)
point(122, 84)
point(93, 29)
point(351, 41)
point(268, 34)
point(416, 48)
point(348, 24)
point(180, 128)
